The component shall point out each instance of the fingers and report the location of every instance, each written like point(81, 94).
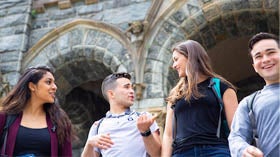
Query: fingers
point(155, 116)
point(102, 141)
point(252, 151)
point(144, 122)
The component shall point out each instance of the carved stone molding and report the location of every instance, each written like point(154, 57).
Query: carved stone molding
point(41, 5)
point(139, 87)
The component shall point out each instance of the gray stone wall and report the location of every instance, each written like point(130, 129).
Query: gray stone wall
point(84, 43)
point(116, 12)
point(14, 35)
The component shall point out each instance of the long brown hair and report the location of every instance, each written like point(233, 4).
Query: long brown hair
point(16, 101)
point(199, 63)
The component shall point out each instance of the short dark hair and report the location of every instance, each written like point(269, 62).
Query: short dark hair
point(110, 82)
point(261, 36)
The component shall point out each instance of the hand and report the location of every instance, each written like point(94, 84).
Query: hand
point(102, 141)
point(144, 122)
point(252, 151)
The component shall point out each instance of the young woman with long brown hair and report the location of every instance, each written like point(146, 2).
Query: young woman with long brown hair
point(194, 106)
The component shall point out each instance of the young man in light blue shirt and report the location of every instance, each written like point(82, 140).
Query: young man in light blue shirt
point(264, 49)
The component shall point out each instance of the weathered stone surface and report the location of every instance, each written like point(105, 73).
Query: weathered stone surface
point(180, 16)
point(11, 43)
point(11, 4)
point(189, 26)
point(115, 63)
point(82, 53)
point(12, 77)
point(115, 47)
point(36, 35)
point(76, 36)
point(131, 13)
point(13, 20)
point(193, 7)
point(241, 4)
point(89, 9)
point(91, 37)
point(19, 10)
point(271, 4)
point(59, 15)
point(7, 67)
point(107, 59)
point(103, 39)
point(10, 56)
point(99, 53)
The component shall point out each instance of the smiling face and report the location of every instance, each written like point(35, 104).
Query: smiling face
point(179, 63)
point(266, 54)
point(44, 91)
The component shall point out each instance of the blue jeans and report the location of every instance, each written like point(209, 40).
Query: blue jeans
point(205, 151)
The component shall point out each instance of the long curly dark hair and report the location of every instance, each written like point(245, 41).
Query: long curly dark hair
point(16, 101)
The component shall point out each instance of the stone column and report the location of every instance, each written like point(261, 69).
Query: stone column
point(15, 24)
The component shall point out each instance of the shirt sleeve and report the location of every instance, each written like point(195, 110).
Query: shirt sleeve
point(93, 132)
point(241, 130)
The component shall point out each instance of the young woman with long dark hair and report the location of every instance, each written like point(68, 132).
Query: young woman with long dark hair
point(41, 127)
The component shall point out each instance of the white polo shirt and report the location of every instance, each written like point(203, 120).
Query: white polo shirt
point(124, 133)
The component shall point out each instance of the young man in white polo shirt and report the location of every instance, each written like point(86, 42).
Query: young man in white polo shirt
point(123, 132)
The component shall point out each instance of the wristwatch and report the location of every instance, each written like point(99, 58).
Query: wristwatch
point(146, 133)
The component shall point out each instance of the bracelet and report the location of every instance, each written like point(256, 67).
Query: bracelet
point(146, 133)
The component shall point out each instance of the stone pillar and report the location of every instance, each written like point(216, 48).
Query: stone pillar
point(15, 24)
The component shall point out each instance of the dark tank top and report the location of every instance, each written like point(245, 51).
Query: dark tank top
point(35, 142)
point(197, 120)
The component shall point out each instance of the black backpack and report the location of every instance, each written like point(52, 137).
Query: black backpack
point(9, 121)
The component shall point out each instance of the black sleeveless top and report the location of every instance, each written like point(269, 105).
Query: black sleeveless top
point(33, 141)
point(197, 120)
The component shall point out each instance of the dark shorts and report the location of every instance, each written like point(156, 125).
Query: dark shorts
point(205, 151)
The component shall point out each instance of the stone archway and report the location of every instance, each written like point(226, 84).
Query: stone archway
point(82, 53)
point(214, 24)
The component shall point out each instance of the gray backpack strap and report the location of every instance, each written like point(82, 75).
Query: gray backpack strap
point(250, 104)
point(98, 125)
point(174, 123)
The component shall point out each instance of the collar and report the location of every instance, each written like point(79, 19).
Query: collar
point(112, 115)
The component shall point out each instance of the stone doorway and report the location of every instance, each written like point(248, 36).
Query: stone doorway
point(84, 105)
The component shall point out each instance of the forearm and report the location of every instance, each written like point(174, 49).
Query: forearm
point(241, 130)
point(153, 145)
point(237, 146)
point(166, 146)
point(89, 152)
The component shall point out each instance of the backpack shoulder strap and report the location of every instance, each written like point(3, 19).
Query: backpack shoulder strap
point(9, 121)
point(250, 104)
point(98, 125)
point(215, 86)
point(251, 100)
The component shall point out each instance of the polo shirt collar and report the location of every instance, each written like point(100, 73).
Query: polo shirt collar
point(111, 115)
